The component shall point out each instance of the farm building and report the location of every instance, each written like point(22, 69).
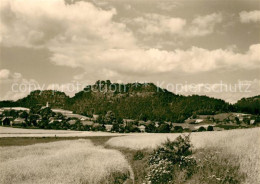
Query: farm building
point(89, 123)
point(18, 121)
point(252, 122)
point(72, 122)
point(15, 109)
point(108, 128)
point(198, 121)
point(141, 128)
point(95, 116)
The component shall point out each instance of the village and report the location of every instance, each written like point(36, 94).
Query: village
point(55, 118)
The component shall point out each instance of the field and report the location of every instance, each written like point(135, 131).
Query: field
point(109, 158)
point(74, 161)
point(19, 132)
point(243, 144)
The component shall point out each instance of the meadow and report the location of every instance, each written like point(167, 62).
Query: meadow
point(106, 158)
point(73, 161)
point(243, 144)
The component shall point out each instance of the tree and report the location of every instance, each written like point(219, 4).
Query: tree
point(110, 117)
point(164, 128)
point(210, 128)
point(178, 129)
point(150, 128)
point(237, 120)
point(201, 129)
point(24, 115)
point(115, 127)
point(6, 122)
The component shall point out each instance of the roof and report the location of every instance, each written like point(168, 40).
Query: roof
point(62, 111)
point(108, 127)
point(141, 127)
point(76, 116)
point(71, 122)
point(89, 123)
point(128, 120)
point(19, 119)
point(15, 108)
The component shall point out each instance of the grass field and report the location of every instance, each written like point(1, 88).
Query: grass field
point(111, 164)
point(243, 144)
point(74, 161)
point(20, 132)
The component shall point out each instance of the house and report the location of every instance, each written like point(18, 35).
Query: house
point(141, 128)
point(18, 121)
point(108, 128)
point(76, 116)
point(83, 118)
point(51, 119)
point(96, 125)
point(95, 116)
point(252, 122)
point(128, 122)
point(72, 122)
point(205, 126)
point(89, 123)
point(62, 111)
point(156, 124)
point(141, 122)
point(198, 121)
point(15, 109)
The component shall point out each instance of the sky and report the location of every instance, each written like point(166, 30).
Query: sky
point(205, 47)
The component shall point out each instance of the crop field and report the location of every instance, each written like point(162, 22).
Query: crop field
point(110, 159)
point(74, 161)
point(20, 132)
point(243, 143)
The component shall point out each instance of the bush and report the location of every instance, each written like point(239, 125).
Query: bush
point(164, 128)
point(170, 158)
point(178, 129)
point(138, 155)
point(217, 167)
point(210, 128)
point(201, 129)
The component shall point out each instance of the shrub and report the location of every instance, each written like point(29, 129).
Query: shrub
point(210, 128)
point(201, 129)
point(217, 167)
point(164, 128)
point(178, 129)
point(171, 157)
point(138, 155)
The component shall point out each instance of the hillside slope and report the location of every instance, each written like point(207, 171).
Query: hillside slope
point(134, 101)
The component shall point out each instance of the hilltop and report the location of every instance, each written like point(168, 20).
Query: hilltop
point(134, 101)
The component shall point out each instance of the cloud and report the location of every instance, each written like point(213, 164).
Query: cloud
point(14, 86)
point(154, 61)
point(158, 24)
point(204, 25)
point(155, 24)
point(4, 74)
point(83, 35)
point(251, 16)
point(37, 23)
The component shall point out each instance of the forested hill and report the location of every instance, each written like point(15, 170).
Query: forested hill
point(249, 105)
point(133, 101)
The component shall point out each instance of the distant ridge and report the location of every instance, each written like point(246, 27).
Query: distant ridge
point(135, 101)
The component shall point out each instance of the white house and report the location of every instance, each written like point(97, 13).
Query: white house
point(108, 128)
point(198, 120)
point(141, 128)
